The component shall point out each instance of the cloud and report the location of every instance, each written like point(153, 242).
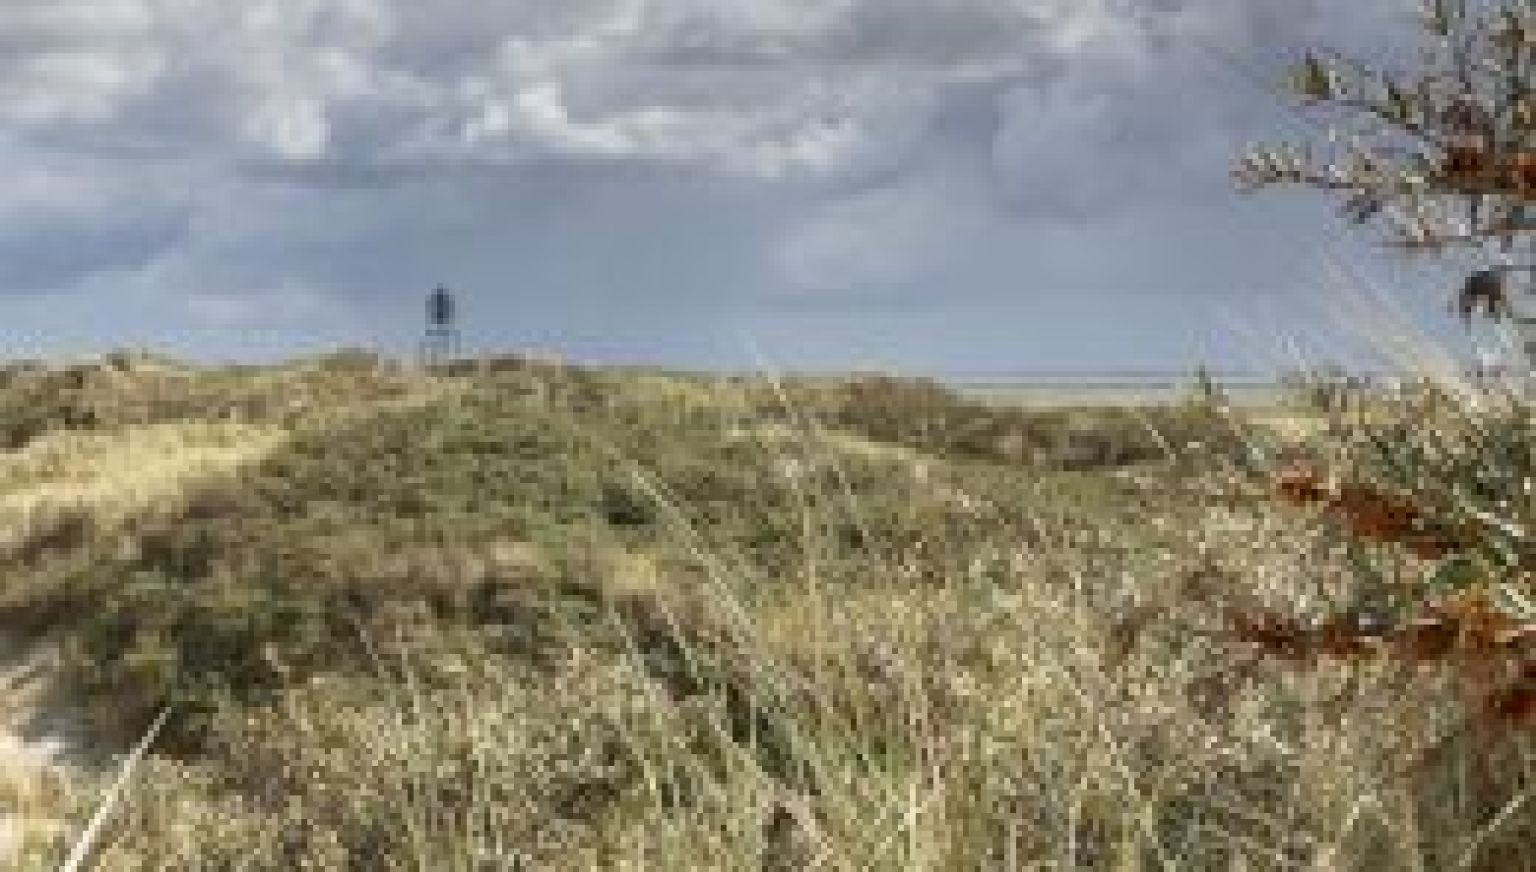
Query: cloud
point(770, 87)
point(767, 87)
point(62, 221)
point(316, 94)
point(628, 157)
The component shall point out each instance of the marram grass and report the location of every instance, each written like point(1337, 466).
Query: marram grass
point(560, 619)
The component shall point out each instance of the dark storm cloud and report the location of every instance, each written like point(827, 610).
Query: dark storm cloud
point(643, 170)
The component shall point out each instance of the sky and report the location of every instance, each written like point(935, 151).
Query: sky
point(927, 186)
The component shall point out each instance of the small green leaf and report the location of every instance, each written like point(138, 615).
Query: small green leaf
point(1312, 80)
point(1398, 107)
point(1454, 573)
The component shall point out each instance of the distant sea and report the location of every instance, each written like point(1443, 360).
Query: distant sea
point(1126, 387)
point(1108, 388)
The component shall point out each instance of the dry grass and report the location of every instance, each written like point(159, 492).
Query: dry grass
point(65, 488)
point(110, 478)
point(917, 667)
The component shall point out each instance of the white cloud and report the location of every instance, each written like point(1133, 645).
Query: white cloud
point(760, 86)
point(217, 148)
point(295, 128)
point(769, 87)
